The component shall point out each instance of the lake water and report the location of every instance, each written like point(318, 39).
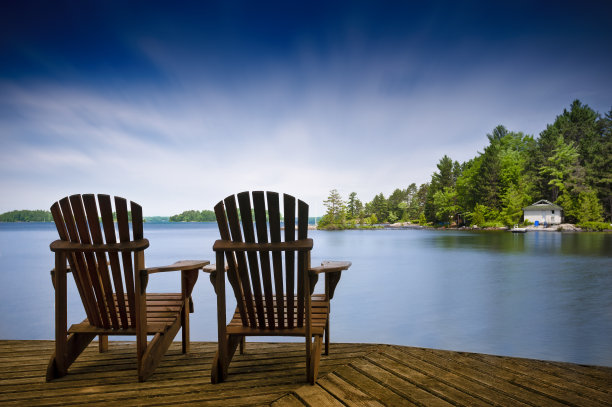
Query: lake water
point(543, 295)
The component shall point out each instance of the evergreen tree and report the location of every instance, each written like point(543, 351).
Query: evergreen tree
point(379, 207)
point(335, 206)
point(590, 208)
point(559, 165)
point(601, 166)
point(352, 206)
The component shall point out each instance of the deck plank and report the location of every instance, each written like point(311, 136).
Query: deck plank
point(273, 374)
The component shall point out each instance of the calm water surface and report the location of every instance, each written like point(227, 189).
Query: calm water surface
point(538, 295)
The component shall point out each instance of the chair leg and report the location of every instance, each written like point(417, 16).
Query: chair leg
point(327, 337)
point(185, 327)
point(315, 359)
point(220, 364)
point(242, 345)
point(308, 356)
point(103, 343)
point(74, 345)
point(155, 351)
point(216, 370)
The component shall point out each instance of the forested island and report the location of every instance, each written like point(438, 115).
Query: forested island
point(45, 216)
point(194, 216)
point(26, 216)
point(570, 164)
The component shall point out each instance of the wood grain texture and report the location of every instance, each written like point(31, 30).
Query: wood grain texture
point(273, 374)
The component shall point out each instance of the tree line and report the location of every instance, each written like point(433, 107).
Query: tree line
point(194, 216)
point(26, 216)
point(570, 164)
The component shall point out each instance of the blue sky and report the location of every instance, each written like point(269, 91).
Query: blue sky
point(178, 105)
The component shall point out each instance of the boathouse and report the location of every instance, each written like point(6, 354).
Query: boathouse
point(543, 212)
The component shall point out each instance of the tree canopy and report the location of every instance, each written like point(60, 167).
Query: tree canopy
point(570, 163)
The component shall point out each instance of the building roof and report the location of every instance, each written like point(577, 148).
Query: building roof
point(542, 204)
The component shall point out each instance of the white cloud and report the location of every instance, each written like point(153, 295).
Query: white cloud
point(186, 147)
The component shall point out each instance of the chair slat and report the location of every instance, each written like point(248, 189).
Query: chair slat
point(123, 226)
point(232, 272)
point(91, 210)
point(289, 212)
point(137, 228)
point(259, 204)
point(234, 226)
point(302, 234)
point(76, 272)
point(78, 211)
point(277, 257)
point(106, 213)
point(244, 202)
point(79, 260)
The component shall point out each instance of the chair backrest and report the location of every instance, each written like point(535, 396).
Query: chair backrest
point(257, 281)
point(78, 220)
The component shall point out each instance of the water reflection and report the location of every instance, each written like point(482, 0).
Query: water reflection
point(543, 243)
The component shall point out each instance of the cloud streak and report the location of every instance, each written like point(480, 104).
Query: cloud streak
point(352, 105)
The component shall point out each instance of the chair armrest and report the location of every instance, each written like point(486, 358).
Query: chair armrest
point(211, 269)
point(179, 266)
point(189, 275)
point(52, 272)
point(331, 266)
point(333, 271)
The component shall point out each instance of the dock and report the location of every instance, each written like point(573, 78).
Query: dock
point(273, 374)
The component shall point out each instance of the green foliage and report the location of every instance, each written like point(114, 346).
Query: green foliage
point(590, 209)
point(353, 206)
point(372, 220)
point(570, 164)
point(379, 207)
point(445, 202)
point(513, 202)
point(559, 166)
point(194, 216)
point(392, 218)
point(595, 226)
point(478, 215)
point(335, 205)
point(26, 216)
point(336, 216)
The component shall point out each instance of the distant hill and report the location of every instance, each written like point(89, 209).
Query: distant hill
point(26, 216)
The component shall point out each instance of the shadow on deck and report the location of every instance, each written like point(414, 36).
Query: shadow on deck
point(272, 373)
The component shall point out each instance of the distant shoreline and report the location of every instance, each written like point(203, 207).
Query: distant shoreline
point(564, 227)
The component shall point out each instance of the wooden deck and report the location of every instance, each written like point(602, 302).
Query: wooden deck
point(352, 375)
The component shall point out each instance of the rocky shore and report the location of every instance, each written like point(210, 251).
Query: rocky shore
point(564, 227)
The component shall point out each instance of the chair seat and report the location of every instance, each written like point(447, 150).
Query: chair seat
point(163, 310)
point(320, 313)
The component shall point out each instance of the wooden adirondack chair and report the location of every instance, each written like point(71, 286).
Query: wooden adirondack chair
point(115, 299)
point(274, 298)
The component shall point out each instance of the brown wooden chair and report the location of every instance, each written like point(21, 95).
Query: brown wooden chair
point(271, 278)
point(115, 297)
